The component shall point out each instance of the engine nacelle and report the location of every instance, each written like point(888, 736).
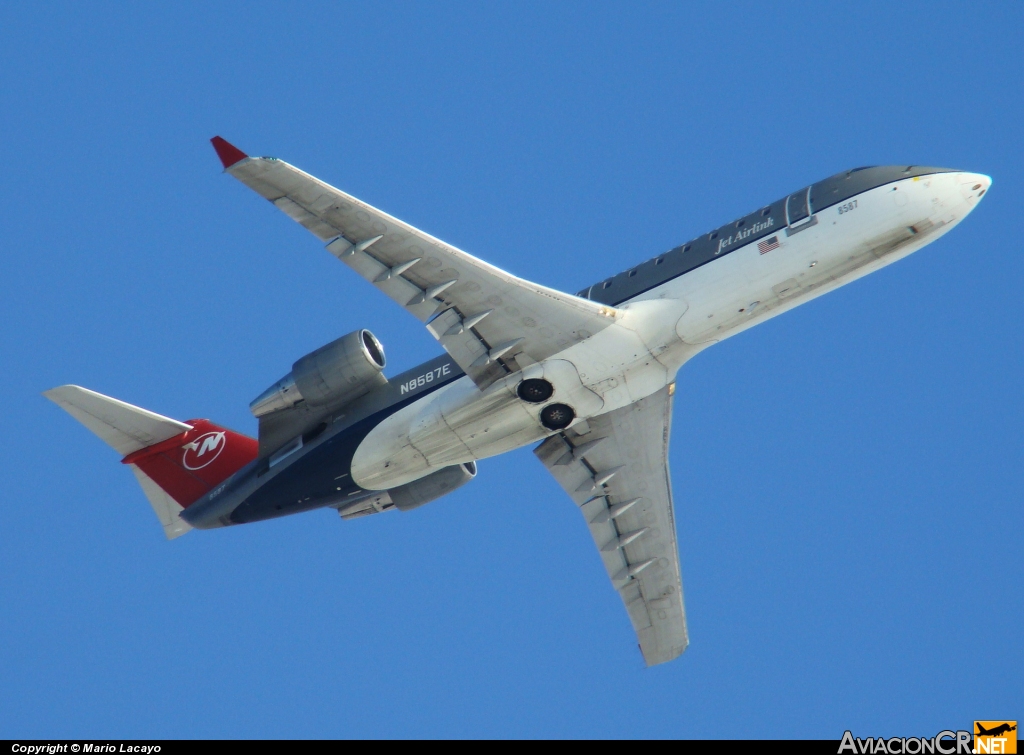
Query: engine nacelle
point(433, 486)
point(414, 494)
point(332, 375)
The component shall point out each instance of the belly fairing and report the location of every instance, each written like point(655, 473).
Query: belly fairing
point(461, 423)
point(456, 425)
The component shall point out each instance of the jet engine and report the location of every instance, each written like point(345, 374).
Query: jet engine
point(319, 385)
point(433, 486)
point(333, 375)
point(414, 494)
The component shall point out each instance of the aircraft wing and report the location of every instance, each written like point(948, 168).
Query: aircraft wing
point(616, 472)
point(491, 322)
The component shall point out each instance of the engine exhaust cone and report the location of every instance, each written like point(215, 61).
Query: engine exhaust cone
point(557, 416)
point(535, 391)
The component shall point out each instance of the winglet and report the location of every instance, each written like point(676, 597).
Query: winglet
point(228, 153)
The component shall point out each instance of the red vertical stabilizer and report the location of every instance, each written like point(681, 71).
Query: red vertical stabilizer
point(190, 465)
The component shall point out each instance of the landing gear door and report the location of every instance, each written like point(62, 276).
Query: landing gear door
point(799, 214)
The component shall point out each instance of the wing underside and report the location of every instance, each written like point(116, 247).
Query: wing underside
point(491, 322)
point(615, 468)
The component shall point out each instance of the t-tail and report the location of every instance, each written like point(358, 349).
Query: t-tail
point(177, 463)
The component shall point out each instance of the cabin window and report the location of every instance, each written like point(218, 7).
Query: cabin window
point(659, 260)
point(714, 236)
point(686, 248)
point(766, 212)
point(606, 284)
point(632, 273)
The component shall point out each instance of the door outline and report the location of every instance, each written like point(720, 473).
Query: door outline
point(802, 223)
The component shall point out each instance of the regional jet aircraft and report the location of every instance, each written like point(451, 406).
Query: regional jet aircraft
point(589, 377)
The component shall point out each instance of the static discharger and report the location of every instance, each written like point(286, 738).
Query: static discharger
point(623, 540)
point(466, 324)
point(431, 292)
point(616, 510)
point(599, 478)
point(362, 246)
point(578, 452)
point(496, 352)
point(633, 569)
point(394, 272)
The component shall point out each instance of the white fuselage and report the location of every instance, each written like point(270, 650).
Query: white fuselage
point(656, 332)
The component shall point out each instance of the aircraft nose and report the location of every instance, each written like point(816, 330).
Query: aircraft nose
point(974, 185)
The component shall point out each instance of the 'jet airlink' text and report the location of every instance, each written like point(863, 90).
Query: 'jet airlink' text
point(746, 233)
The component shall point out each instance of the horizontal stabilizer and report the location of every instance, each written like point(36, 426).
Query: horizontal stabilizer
point(123, 427)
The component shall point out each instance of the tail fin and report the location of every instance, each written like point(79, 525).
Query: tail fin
point(175, 462)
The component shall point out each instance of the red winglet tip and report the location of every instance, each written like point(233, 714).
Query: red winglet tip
point(228, 153)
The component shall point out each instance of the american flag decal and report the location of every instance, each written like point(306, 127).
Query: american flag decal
point(768, 244)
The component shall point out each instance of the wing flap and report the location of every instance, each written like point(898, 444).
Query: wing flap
point(466, 347)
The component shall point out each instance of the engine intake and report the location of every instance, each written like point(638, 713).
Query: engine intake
point(333, 375)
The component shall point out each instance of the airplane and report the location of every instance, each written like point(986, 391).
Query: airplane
point(995, 731)
point(589, 377)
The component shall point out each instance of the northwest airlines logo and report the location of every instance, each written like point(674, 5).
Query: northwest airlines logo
point(203, 450)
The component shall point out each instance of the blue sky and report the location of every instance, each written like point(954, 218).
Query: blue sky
point(848, 476)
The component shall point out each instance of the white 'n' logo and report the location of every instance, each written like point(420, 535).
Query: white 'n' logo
point(203, 450)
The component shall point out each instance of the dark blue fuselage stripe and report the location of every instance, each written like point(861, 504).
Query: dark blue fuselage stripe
point(687, 257)
point(308, 482)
